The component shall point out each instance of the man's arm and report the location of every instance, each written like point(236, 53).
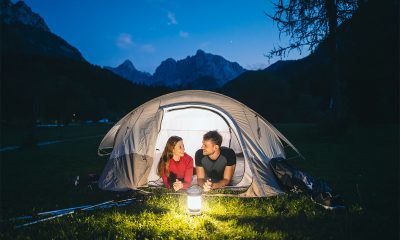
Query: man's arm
point(200, 176)
point(228, 174)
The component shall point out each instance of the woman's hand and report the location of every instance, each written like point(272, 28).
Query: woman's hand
point(177, 185)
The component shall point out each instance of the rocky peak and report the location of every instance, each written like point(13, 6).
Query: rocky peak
point(127, 65)
point(185, 71)
point(168, 61)
point(200, 53)
point(128, 71)
point(20, 13)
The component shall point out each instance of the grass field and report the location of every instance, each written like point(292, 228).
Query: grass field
point(362, 165)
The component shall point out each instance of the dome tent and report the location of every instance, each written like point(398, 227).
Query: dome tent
point(136, 141)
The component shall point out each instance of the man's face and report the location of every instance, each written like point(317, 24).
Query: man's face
point(208, 147)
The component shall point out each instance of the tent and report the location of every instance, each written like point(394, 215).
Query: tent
point(135, 143)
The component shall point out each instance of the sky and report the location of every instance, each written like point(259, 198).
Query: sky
point(148, 32)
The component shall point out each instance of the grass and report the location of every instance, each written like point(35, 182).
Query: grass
point(14, 136)
point(362, 165)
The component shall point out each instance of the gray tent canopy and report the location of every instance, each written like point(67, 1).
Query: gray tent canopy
point(135, 143)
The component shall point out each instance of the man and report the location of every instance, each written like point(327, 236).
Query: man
point(215, 165)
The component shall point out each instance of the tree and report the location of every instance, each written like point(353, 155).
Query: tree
point(309, 23)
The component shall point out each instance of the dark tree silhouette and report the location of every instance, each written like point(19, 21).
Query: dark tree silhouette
point(309, 23)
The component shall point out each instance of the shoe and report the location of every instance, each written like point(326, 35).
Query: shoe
point(327, 201)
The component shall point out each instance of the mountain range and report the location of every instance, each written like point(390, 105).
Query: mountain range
point(203, 70)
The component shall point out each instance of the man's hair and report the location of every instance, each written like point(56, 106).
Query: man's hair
point(214, 136)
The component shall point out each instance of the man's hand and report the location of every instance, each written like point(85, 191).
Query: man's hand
point(177, 185)
point(207, 186)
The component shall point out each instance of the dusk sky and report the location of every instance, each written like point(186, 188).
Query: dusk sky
point(150, 31)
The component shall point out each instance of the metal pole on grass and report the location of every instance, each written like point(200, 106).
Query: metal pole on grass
point(60, 215)
point(48, 213)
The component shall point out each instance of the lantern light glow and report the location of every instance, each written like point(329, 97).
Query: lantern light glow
point(194, 200)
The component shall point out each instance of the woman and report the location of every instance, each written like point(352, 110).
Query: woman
point(175, 166)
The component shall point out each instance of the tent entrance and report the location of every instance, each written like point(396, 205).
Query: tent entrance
point(191, 122)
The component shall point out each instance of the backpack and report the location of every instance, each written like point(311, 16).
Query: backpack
point(291, 179)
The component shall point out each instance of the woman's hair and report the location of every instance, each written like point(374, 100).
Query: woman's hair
point(167, 155)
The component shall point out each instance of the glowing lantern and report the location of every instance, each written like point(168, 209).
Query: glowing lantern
point(194, 200)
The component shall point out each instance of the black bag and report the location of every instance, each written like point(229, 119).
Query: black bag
point(289, 177)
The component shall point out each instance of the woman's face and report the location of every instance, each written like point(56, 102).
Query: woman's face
point(179, 149)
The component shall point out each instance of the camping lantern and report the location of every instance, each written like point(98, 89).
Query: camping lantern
point(194, 200)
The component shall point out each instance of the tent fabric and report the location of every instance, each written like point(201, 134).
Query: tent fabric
point(137, 140)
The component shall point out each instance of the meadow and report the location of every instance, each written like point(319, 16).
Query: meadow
point(361, 165)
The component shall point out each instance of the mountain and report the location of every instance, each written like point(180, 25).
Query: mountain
point(201, 71)
point(20, 13)
point(367, 69)
point(18, 21)
point(186, 71)
point(44, 79)
point(128, 71)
